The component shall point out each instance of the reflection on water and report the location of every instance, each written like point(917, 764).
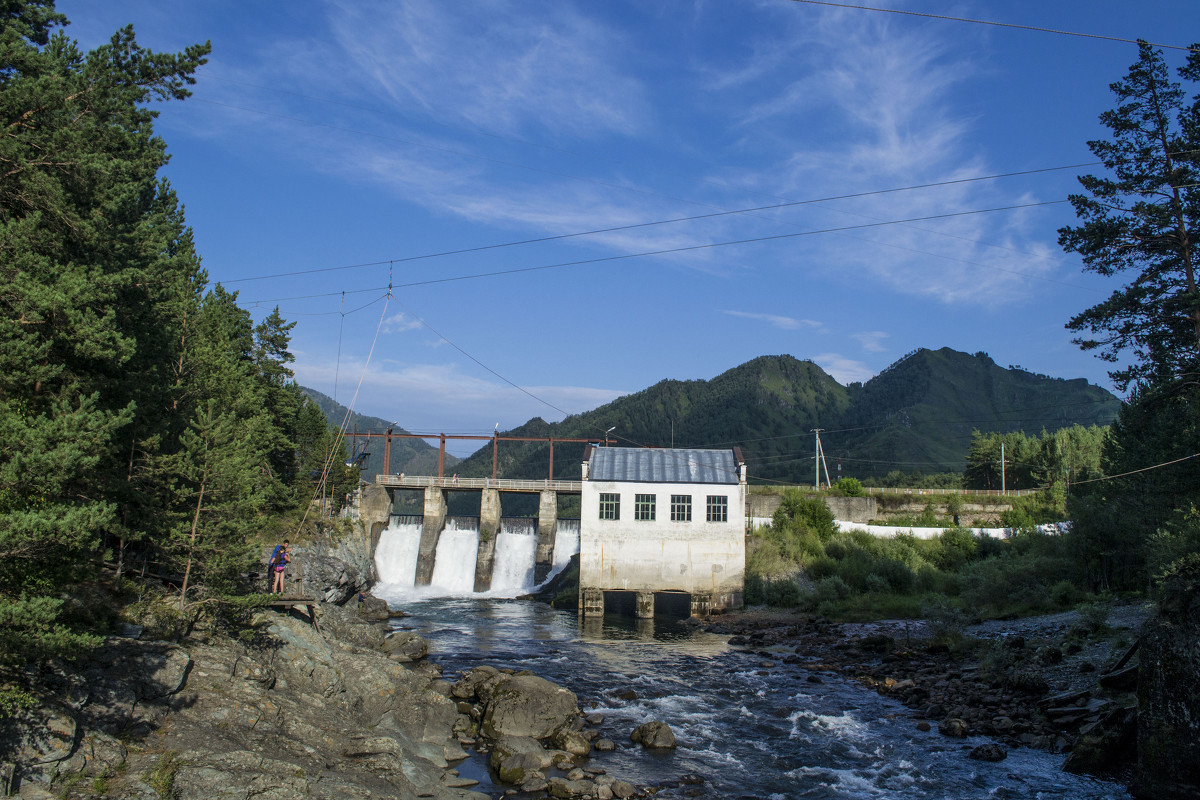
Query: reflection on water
point(751, 731)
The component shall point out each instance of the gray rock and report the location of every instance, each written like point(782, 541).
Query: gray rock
point(405, 646)
point(953, 726)
point(508, 746)
point(605, 745)
point(623, 790)
point(988, 752)
point(654, 734)
point(571, 741)
point(526, 705)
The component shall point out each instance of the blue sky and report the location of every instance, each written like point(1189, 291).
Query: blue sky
point(324, 135)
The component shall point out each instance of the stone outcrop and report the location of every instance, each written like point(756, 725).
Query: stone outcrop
point(289, 712)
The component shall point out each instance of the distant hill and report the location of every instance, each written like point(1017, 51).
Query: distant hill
point(917, 414)
point(413, 456)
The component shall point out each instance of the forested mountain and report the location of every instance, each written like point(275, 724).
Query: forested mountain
point(917, 415)
point(413, 456)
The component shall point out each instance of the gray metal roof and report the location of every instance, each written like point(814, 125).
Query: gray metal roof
point(642, 465)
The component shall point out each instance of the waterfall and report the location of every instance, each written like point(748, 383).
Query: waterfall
point(454, 562)
point(396, 553)
point(513, 570)
point(566, 543)
point(516, 546)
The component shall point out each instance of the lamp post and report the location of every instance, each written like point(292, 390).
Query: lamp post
point(607, 432)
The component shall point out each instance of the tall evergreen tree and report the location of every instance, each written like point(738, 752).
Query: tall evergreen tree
point(1143, 220)
point(78, 255)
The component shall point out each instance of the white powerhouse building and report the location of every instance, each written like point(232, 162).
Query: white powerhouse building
point(662, 522)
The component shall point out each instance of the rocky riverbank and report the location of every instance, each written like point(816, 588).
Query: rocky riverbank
point(319, 699)
point(1058, 683)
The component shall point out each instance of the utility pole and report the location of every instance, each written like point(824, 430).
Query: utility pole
point(819, 461)
point(817, 458)
point(1003, 490)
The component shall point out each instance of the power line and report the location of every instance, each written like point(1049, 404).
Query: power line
point(711, 245)
point(994, 24)
point(637, 225)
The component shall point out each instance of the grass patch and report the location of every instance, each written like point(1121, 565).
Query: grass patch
point(162, 777)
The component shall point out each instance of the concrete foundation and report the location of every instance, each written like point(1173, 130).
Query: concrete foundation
point(431, 530)
point(547, 532)
point(591, 602)
point(645, 605)
point(489, 526)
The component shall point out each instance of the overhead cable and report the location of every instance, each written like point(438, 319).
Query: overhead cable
point(994, 24)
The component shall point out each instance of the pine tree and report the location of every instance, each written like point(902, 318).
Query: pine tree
point(1144, 221)
point(78, 191)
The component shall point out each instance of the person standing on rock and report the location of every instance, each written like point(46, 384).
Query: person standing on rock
point(277, 566)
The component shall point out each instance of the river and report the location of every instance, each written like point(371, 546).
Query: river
point(747, 730)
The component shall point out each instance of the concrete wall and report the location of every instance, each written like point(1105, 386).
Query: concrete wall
point(698, 557)
point(851, 509)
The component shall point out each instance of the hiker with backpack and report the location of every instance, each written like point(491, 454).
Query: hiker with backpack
point(277, 566)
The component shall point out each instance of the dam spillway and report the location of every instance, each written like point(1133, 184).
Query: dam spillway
point(454, 569)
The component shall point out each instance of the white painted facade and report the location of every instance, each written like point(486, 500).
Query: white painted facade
point(697, 556)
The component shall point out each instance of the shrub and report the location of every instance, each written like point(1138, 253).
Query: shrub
point(877, 584)
point(849, 487)
point(832, 588)
point(1064, 594)
point(819, 568)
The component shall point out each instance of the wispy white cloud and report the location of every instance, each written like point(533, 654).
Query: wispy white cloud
point(401, 322)
point(871, 341)
point(551, 68)
point(844, 370)
point(776, 320)
point(443, 395)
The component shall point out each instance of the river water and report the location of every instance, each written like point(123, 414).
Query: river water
point(749, 731)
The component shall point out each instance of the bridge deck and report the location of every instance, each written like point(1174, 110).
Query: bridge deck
point(475, 484)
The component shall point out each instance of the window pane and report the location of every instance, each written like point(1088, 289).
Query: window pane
point(643, 507)
point(681, 508)
point(610, 506)
point(718, 508)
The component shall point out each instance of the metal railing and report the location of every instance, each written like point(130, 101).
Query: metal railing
point(965, 492)
point(502, 484)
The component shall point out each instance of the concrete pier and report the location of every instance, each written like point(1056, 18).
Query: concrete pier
point(591, 602)
point(431, 531)
point(489, 527)
point(547, 532)
point(645, 605)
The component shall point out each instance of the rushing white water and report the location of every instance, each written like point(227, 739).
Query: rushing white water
point(396, 553)
point(566, 543)
point(516, 548)
point(454, 561)
point(513, 571)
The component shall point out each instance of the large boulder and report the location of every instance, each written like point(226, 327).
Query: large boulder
point(326, 577)
point(526, 705)
point(654, 734)
point(405, 646)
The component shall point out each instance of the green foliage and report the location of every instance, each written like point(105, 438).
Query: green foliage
point(141, 416)
point(849, 487)
point(1066, 456)
point(1142, 219)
